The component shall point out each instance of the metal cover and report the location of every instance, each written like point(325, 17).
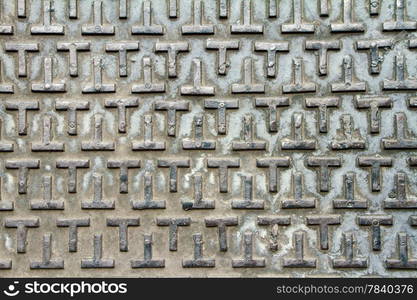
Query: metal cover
point(208, 138)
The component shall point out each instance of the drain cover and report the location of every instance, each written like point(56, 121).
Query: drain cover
point(208, 138)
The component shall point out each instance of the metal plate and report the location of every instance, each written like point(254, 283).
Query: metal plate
point(208, 138)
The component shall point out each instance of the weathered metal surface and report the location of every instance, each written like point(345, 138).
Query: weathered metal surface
point(208, 138)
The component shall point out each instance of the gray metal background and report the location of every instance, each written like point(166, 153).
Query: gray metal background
point(372, 14)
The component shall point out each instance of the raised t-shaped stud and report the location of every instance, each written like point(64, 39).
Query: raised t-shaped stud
point(272, 8)
point(374, 7)
point(172, 107)
point(5, 264)
point(298, 199)
point(298, 25)
point(198, 261)
point(148, 202)
point(347, 137)
point(375, 57)
point(97, 260)
point(22, 226)
point(323, 222)
point(223, 9)
point(123, 166)
point(299, 261)
point(172, 49)
point(97, 85)
point(147, 28)
point(73, 48)
point(374, 104)
point(198, 143)
point(272, 103)
point(322, 47)
point(274, 223)
point(197, 26)
point(221, 106)
point(297, 140)
point(248, 202)
point(73, 9)
point(97, 144)
point(5, 88)
point(223, 164)
point(249, 85)
point(147, 261)
point(47, 203)
point(98, 202)
point(148, 143)
point(222, 224)
point(4, 146)
point(47, 27)
point(412, 161)
point(4, 29)
point(298, 83)
point(122, 105)
point(246, 26)
point(47, 145)
point(122, 48)
point(404, 261)
point(375, 221)
point(148, 86)
point(247, 135)
point(401, 139)
point(198, 202)
point(248, 261)
point(350, 201)
point(173, 164)
point(271, 50)
point(322, 104)
point(324, 163)
point(47, 262)
point(48, 86)
point(72, 165)
point(21, 8)
point(5, 205)
point(21, 49)
point(348, 24)
point(324, 8)
point(173, 8)
point(412, 102)
point(348, 84)
point(398, 198)
point(22, 107)
point(173, 224)
point(23, 166)
point(400, 23)
point(412, 220)
point(412, 44)
point(375, 163)
point(97, 28)
point(400, 82)
point(73, 225)
point(222, 46)
point(123, 224)
point(197, 89)
point(349, 248)
point(273, 163)
point(72, 107)
point(123, 9)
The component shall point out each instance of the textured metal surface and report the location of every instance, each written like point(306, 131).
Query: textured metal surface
point(208, 138)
